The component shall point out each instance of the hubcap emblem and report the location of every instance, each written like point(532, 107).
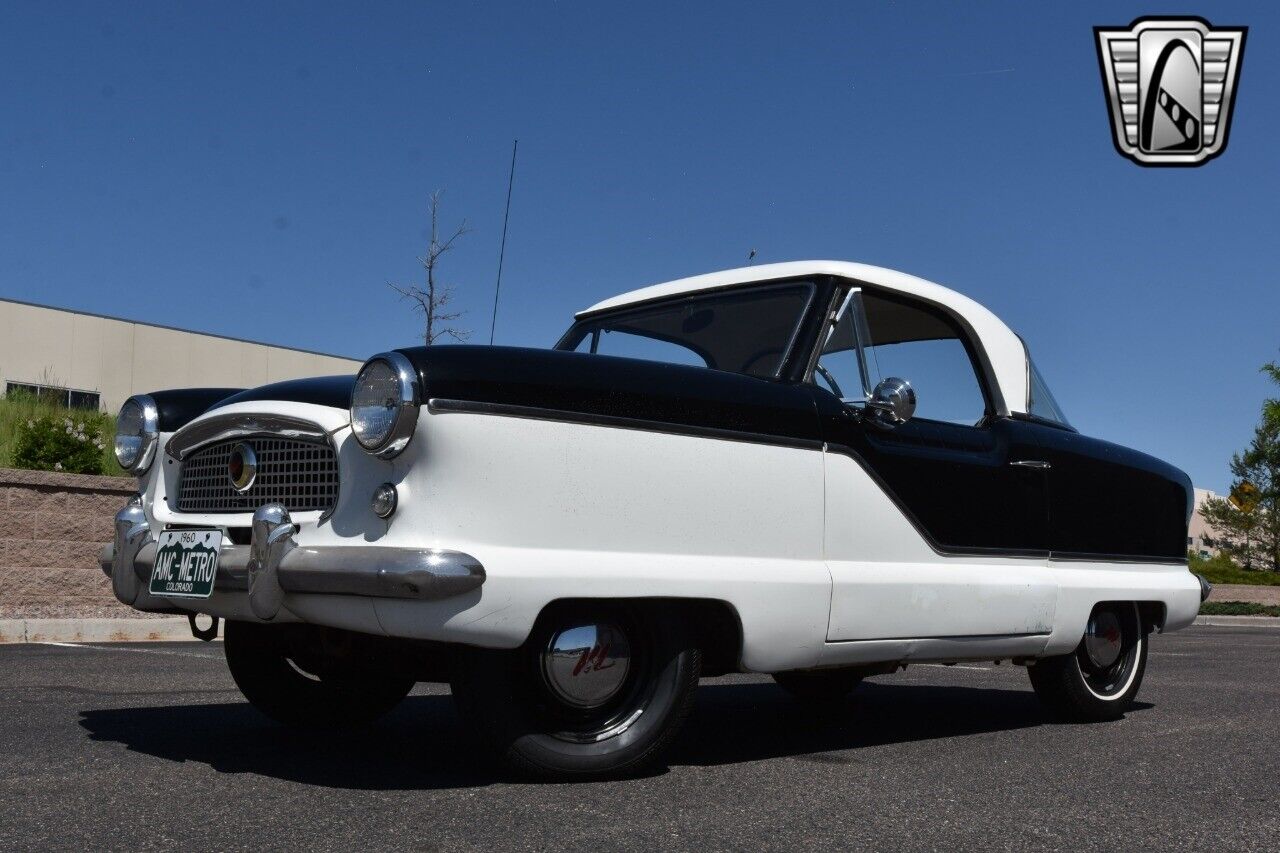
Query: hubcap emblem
point(586, 665)
point(242, 467)
point(1104, 639)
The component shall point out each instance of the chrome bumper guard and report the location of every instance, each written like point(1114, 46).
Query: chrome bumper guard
point(275, 564)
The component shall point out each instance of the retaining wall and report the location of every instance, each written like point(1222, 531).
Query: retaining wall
point(52, 526)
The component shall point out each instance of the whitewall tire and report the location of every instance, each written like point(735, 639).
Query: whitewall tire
point(1099, 680)
point(598, 691)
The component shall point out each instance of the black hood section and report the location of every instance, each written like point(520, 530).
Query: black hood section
point(332, 391)
point(181, 405)
point(606, 387)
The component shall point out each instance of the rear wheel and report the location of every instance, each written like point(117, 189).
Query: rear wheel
point(293, 682)
point(819, 685)
point(596, 691)
point(1099, 680)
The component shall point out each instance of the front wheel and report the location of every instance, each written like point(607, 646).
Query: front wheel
point(1099, 680)
point(292, 681)
point(597, 691)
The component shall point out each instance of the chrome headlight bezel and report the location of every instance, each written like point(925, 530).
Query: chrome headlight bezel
point(148, 434)
point(407, 402)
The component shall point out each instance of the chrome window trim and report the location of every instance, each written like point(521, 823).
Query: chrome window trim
point(407, 412)
point(852, 300)
point(790, 348)
point(835, 305)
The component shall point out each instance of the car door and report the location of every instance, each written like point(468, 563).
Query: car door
point(936, 527)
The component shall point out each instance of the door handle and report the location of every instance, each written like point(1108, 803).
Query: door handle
point(1031, 463)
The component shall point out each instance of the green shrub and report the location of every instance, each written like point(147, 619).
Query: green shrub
point(1238, 608)
point(69, 441)
point(1221, 569)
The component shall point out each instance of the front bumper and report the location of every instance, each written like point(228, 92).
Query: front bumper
point(275, 564)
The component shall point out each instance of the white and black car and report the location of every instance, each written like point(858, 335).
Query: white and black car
point(819, 470)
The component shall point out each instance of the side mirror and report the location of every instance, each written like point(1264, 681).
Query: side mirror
point(892, 403)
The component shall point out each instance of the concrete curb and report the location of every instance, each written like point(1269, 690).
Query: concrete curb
point(1239, 621)
point(167, 629)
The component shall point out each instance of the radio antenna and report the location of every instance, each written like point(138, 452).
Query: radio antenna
point(502, 250)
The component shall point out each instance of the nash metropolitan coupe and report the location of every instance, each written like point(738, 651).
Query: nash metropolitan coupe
point(818, 470)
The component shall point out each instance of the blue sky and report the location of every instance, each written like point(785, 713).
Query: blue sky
point(262, 170)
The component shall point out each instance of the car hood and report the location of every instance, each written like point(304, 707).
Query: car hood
point(613, 391)
point(573, 386)
point(332, 391)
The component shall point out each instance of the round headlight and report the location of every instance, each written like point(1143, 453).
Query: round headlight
point(137, 429)
point(384, 404)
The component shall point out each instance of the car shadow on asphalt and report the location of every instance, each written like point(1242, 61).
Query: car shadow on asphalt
point(422, 744)
point(748, 722)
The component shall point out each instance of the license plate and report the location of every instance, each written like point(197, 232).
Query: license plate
point(186, 562)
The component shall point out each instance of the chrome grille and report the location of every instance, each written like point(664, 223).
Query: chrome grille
point(302, 475)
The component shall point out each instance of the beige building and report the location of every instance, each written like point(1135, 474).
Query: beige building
point(1200, 536)
point(98, 362)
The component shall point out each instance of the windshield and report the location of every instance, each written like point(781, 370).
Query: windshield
point(748, 331)
point(1040, 402)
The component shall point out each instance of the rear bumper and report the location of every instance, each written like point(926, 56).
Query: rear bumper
point(275, 564)
point(1205, 586)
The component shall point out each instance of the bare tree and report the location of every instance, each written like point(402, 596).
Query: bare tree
point(435, 299)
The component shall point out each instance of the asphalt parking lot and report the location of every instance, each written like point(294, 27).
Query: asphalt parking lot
point(150, 746)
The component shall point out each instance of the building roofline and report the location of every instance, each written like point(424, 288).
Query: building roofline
point(175, 329)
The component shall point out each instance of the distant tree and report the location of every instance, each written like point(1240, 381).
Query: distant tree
point(1248, 522)
point(435, 298)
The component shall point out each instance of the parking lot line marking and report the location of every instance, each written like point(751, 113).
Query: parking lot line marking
point(123, 649)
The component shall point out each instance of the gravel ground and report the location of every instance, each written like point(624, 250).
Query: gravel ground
point(146, 747)
point(1242, 592)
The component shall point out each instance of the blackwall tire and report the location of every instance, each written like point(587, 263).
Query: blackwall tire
point(524, 713)
point(1073, 688)
point(819, 685)
point(273, 683)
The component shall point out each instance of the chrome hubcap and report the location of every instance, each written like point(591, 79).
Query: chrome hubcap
point(1104, 639)
point(586, 665)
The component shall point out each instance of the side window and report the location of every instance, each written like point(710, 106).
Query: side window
point(909, 341)
point(920, 345)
